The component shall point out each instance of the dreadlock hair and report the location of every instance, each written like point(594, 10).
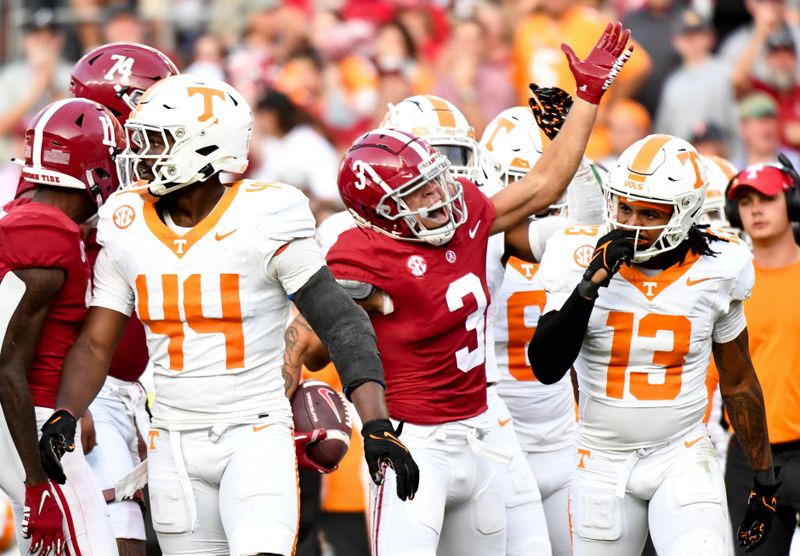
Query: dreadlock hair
point(698, 241)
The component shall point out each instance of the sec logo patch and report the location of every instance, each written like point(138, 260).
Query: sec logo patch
point(417, 266)
point(124, 217)
point(583, 255)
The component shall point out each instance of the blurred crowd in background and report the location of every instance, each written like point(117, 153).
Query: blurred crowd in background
point(317, 73)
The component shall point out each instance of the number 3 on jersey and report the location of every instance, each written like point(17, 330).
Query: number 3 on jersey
point(171, 324)
point(467, 285)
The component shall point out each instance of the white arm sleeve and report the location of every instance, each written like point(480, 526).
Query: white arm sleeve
point(730, 325)
point(585, 197)
point(298, 262)
point(111, 291)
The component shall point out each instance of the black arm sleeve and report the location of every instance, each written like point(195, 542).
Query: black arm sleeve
point(343, 327)
point(558, 338)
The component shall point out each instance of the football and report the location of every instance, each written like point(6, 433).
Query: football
point(318, 407)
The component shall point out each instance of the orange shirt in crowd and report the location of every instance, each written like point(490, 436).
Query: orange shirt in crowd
point(538, 58)
point(773, 324)
point(343, 490)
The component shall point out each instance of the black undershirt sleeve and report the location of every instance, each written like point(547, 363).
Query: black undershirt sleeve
point(558, 338)
point(343, 327)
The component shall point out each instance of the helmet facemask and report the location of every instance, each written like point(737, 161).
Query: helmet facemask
point(463, 154)
point(685, 211)
point(394, 203)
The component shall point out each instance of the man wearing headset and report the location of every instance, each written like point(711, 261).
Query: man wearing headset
point(764, 201)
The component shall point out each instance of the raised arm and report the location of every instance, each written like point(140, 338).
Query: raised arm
point(546, 182)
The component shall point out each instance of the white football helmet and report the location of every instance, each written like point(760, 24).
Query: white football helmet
point(658, 170)
point(185, 129)
point(444, 127)
point(720, 172)
point(513, 141)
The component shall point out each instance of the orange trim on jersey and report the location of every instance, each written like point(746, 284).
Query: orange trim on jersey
point(644, 158)
point(526, 269)
point(178, 244)
point(281, 249)
point(443, 112)
point(297, 486)
point(651, 286)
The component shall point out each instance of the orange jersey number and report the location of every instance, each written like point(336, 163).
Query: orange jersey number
point(171, 325)
point(519, 333)
point(672, 360)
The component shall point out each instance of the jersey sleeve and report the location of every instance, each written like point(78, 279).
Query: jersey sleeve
point(33, 244)
point(541, 230)
point(732, 321)
point(287, 218)
point(558, 271)
point(295, 264)
point(730, 324)
point(111, 291)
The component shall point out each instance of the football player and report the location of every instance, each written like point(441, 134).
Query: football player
point(210, 270)
point(417, 262)
point(543, 416)
point(45, 287)
point(640, 338)
point(116, 75)
point(720, 172)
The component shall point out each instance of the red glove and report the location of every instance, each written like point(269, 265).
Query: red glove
point(303, 439)
point(42, 520)
point(596, 73)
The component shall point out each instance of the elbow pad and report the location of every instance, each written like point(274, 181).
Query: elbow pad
point(343, 327)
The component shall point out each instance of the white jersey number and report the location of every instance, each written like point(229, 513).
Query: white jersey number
point(123, 66)
point(469, 284)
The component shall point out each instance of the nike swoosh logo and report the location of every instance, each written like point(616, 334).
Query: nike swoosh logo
point(219, 237)
point(690, 282)
point(504, 422)
point(45, 494)
point(693, 442)
point(257, 428)
point(391, 438)
point(474, 230)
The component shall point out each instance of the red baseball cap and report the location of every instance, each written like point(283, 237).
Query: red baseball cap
point(767, 180)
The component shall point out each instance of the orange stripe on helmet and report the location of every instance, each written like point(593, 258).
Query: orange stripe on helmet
point(641, 163)
point(727, 168)
point(443, 112)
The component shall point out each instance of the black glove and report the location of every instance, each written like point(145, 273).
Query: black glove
point(58, 437)
point(381, 446)
point(613, 249)
point(759, 515)
point(550, 106)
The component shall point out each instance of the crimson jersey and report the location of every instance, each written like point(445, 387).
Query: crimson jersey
point(36, 235)
point(433, 344)
point(131, 357)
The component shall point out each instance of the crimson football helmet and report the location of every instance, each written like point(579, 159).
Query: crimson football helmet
point(71, 143)
point(378, 173)
point(117, 74)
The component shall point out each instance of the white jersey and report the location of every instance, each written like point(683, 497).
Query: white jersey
point(643, 362)
point(544, 415)
point(213, 300)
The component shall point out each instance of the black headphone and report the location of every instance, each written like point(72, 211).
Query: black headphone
point(792, 194)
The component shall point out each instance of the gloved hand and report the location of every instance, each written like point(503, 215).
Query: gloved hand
point(550, 106)
point(42, 520)
point(58, 437)
point(594, 75)
point(305, 439)
point(612, 250)
point(757, 520)
point(382, 448)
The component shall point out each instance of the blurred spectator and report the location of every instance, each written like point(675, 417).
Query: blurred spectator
point(696, 92)
point(122, 24)
point(209, 58)
point(709, 140)
point(652, 26)
point(628, 121)
point(768, 17)
point(760, 132)
point(538, 57)
point(427, 23)
point(780, 82)
point(481, 89)
point(250, 63)
point(28, 85)
point(293, 151)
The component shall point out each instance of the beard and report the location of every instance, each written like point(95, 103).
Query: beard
point(781, 80)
